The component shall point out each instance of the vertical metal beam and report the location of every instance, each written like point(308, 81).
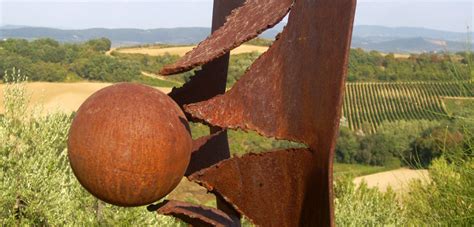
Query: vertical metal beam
point(218, 69)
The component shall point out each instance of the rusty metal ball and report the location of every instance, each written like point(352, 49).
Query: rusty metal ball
point(129, 144)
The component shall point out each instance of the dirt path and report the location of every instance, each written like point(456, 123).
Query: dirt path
point(153, 75)
point(183, 50)
point(65, 97)
point(109, 52)
point(397, 179)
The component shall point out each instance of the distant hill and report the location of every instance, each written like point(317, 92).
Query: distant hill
point(386, 39)
point(408, 39)
point(381, 33)
point(119, 37)
point(409, 45)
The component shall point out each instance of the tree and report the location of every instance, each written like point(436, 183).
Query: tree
point(100, 45)
point(105, 68)
point(347, 145)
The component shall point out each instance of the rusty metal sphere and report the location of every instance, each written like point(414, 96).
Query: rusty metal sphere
point(129, 144)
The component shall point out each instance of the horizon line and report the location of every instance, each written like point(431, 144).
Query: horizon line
point(275, 27)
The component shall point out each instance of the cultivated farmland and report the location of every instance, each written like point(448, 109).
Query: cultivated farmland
point(367, 105)
point(181, 50)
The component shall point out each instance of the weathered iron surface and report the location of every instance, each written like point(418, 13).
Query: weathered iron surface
point(205, 84)
point(209, 82)
point(195, 215)
point(268, 188)
point(288, 92)
point(211, 79)
point(245, 23)
point(294, 91)
point(129, 144)
point(207, 151)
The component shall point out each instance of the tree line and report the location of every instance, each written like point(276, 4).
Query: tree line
point(49, 60)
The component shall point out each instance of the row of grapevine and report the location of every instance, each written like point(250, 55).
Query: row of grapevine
point(367, 105)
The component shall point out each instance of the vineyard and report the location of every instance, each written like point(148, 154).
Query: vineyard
point(367, 105)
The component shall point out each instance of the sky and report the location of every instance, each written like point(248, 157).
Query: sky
point(448, 15)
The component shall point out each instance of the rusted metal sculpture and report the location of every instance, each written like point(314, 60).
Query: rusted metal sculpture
point(293, 91)
point(129, 144)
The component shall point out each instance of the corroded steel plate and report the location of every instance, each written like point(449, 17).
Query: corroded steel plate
point(242, 25)
point(294, 90)
point(195, 215)
point(268, 188)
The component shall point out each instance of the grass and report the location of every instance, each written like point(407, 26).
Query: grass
point(241, 142)
point(260, 42)
point(155, 82)
point(152, 46)
point(357, 170)
point(459, 106)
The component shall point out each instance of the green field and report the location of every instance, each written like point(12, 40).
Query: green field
point(356, 170)
point(367, 105)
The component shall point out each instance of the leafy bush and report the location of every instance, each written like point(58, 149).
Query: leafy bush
point(100, 45)
point(373, 66)
point(260, 42)
point(392, 144)
point(238, 64)
point(347, 145)
point(364, 206)
point(431, 144)
point(105, 68)
point(448, 199)
point(241, 142)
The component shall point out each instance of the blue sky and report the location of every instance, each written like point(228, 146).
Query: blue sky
point(450, 15)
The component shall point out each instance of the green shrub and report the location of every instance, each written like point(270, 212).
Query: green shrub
point(241, 142)
point(393, 143)
point(99, 45)
point(238, 64)
point(447, 200)
point(105, 68)
point(260, 42)
point(347, 145)
point(431, 144)
point(364, 206)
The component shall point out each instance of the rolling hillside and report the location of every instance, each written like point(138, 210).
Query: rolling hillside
point(409, 45)
point(368, 37)
point(367, 105)
point(119, 37)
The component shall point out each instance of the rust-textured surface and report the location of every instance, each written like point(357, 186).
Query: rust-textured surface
point(195, 215)
point(205, 84)
point(243, 24)
point(268, 188)
point(209, 82)
point(207, 151)
point(129, 144)
point(211, 79)
point(294, 91)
